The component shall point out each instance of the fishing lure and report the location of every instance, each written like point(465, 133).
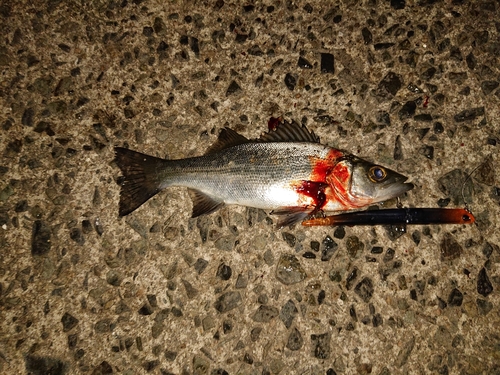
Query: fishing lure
point(396, 216)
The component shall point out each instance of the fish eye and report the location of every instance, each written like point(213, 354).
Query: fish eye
point(377, 174)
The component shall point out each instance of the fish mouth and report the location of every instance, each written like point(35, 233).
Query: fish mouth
point(405, 186)
point(398, 187)
point(394, 187)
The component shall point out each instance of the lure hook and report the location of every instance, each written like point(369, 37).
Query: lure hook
point(469, 176)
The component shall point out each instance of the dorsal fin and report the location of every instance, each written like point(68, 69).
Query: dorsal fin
point(227, 138)
point(289, 132)
point(284, 132)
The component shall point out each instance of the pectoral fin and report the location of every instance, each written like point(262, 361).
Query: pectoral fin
point(203, 204)
point(291, 215)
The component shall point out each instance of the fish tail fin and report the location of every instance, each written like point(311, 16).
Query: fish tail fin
point(140, 180)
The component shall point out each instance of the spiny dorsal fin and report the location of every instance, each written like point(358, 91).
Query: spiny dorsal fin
point(202, 203)
point(227, 138)
point(284, 132)
point(289, 132)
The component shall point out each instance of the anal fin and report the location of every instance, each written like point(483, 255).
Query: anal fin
point(202, 203)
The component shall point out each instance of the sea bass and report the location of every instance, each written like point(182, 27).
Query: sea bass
point(286, 170)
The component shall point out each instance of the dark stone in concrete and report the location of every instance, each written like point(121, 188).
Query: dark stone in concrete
point(428, 74)
point(37, 365)
point(28, 117)
point(339, 232)
point(40, 239)
point(382, 46)
point(484, 286)
point(398, 4)
point(398, 149)
point(265, 314)
point(389, 85)
point(227, 302)
point(408, 110)
point(327, 63)
point(146, 309)
point(289, 238)
point(241, 281)
point(288, 313)
point(367, 35)
point(455, 298)
point(290, 81)
point(484, 306)
point(102, 369)
point(354, 246)
point(351, 277)
point(328, 248)
point(365, 289)
point(68, 321)
point(191, 291)
point(469, 114)
point(233, 88)
point(450, 248)
point(304, 63)
point(321, 345)
point(200, 265)
point(224, 272)
point(289, 270)
point(295, 340)
point(427, 151)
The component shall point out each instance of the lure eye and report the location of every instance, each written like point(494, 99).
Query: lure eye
point(377, 174)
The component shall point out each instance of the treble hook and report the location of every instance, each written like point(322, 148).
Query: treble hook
point(469, 176)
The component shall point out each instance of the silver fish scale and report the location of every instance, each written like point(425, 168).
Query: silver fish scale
point(251, 174)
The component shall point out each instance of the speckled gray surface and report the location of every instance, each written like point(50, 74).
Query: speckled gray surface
point(414, 87)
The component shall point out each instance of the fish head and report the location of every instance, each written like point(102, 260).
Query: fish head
point(362, 183)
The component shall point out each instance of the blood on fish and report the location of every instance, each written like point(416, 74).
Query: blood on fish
point(314, 190)
point(326, 173)
point(321, 168)
point(274, 122)
point(341, 174)
point(339, 181)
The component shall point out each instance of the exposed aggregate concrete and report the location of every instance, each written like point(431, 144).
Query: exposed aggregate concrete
point(411, 85)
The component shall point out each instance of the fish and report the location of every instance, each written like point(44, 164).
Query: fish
point(287, 170)
point(396, 216)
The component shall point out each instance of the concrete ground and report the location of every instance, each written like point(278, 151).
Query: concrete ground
point(413, 85)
